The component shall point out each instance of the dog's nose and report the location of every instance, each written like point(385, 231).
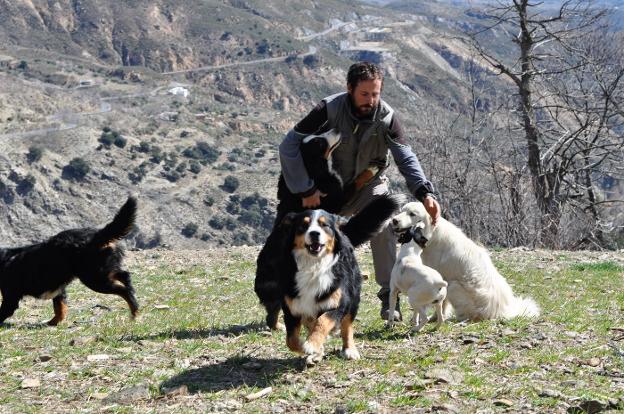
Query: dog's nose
point(395, 222)
point(314, 235)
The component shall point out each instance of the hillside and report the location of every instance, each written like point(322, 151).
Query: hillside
point(89, 110)
point(76, 76)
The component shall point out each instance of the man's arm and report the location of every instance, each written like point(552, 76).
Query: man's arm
point(411, 170)
point(297, 179)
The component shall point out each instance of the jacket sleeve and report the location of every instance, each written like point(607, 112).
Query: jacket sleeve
point(407, 162)
point(295, 175)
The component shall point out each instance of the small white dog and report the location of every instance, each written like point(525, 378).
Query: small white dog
point(423, 285)
point(476, 290)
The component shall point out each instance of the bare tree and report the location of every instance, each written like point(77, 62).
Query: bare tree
point(569, 100)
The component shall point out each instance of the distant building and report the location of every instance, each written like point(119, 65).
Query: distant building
point(179, 91)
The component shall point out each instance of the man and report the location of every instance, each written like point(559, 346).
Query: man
point(369, 131)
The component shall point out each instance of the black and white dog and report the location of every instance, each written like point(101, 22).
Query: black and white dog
point(308, 268)
point(44, 270)
point(316, 152)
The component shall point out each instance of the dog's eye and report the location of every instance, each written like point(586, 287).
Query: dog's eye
point(412, 214)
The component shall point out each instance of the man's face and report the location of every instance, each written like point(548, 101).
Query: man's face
point(365, 96)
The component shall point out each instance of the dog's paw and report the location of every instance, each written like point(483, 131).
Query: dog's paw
point(418, 328)
point(313, 359)
point(351, 353)
point(389, 324)
point(310, 348)
point(278, 327)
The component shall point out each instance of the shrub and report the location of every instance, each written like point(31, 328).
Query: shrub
point(34, 154)
point(6, 193)
point(77, 169)
point(189, 230)
point(26, 185)
point(106, 139)
point(144, 146)
point(195, 167)
point(230, 184)
point(216, 222)
point(120, 142)
point(203, 152)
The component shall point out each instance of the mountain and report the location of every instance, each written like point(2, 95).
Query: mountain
point(184, 102)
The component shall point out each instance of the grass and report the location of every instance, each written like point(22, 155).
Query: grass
point(201, 327)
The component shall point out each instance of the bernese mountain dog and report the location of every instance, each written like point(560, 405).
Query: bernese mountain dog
point(308, 268)
point(44, 270)
point(316, 153)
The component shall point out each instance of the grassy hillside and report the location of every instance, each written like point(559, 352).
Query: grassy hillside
point(200, 345)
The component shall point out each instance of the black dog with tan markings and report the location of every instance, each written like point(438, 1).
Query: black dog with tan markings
point(315, 277)
point(44, 270)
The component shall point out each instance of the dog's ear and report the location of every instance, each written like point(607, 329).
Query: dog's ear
point(287, 221)
point(340, 221)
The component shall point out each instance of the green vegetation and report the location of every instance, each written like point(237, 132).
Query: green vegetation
point(76, 170)
point(202, 327)
point(34, 154)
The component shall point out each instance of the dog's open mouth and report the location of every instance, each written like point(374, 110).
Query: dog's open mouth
point(315, 248)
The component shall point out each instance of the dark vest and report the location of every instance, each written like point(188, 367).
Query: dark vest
point(363, 141)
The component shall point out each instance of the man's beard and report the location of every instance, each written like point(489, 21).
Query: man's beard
point(365, 109)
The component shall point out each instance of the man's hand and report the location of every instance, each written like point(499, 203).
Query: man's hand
point(313, 201)
point(433, 208)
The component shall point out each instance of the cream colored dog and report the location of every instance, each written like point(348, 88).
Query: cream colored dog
point(423, 285)
point(475, 288)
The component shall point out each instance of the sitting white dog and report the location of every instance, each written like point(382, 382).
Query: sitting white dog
point(423, 285)
point(475, 288)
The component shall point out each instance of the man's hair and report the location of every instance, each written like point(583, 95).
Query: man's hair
point(363, 71)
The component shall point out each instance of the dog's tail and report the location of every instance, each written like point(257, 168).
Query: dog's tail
point(371, 219)
point(523, 307)
point(120, 226)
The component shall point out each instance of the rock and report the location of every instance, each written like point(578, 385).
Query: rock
point(503, 402)
point(259, 394)
point(83, 340)
point(45, 358)
point(99, 395)
point(449, 408)
point(97, 357)
point(252, 365)
point(175, 391)
point(550, 393)
point(128, 395)
point(340, 409)
point(588, 407)
point(373, 406)
point(442, 375)
point(593, 362)
point(30, 383)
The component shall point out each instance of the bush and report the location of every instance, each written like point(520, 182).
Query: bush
point(34, 154)
point(26, 185)
point(209, 200)
point(216, 223)
point(189, 230)
point(77, 169)
point(195, 167)
point(144, 147)
point(6, 193)
point(120, 142)
point(230, 184)
point(202, 152)
point(138, 173)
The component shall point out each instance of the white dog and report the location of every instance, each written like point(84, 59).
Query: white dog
point(423, 285)
point(475, 288)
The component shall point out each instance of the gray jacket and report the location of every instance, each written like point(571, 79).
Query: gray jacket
point(364, 143)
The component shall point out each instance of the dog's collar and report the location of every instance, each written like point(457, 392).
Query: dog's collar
point(408, 235)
